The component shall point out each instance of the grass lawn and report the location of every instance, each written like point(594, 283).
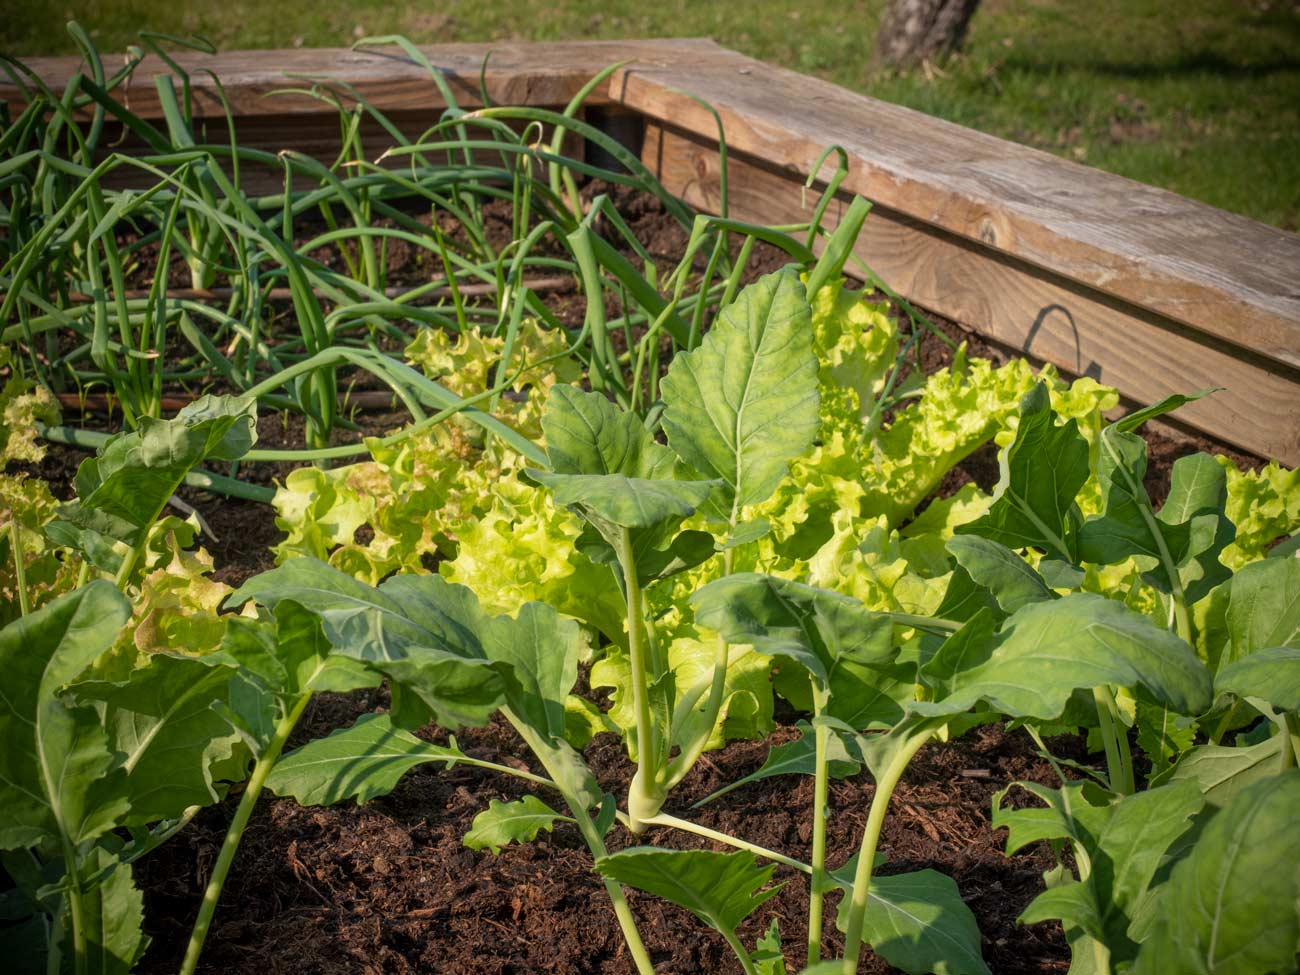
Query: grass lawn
point(1199, 96)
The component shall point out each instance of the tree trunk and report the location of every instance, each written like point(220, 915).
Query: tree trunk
point(912, 31)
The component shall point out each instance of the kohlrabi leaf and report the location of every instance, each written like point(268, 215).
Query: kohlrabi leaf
point(1047, 650)
point(768, 957)
point(122, 490)
point(1125, 842)
point(816, 628)
point(1011, 580)
point(721, 889)
point(1271, 674)
point(1042, 470)
point(112, 919)
point(162, 721)
point(587, 434)
point(1220, 772)
point(744, 403)
point(360, 762)
point(539, 651)
point(422, 631)
point(503, 823)
point(59, 778)
point(616, 501)
point(1263, 609)
point(655, 556)
point(797, 757)
point(1163, 733)
point(1229, 907)
point(916, 921)
point(1185, 540)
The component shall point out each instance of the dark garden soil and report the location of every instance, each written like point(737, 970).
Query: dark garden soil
point(389, 887)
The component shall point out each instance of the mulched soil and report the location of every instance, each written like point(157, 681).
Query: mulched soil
point(389, 887)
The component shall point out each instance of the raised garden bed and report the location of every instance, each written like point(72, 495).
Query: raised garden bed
point(828, 534)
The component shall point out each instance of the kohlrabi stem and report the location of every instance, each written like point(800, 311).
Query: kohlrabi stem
point(595, 843)
point(1289, 729)
point(686, 826)
point(645, 793)
point(20, 568)
point(1225, 724)
point(76, 908)
point(885, 786)
point(746, 963)
point(681, 766)
point(265, 763)
point(821, 788)
point(1119, 760)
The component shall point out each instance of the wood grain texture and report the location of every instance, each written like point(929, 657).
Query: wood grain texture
point(1045, 315)
point(255, 81)
point(1223, 274)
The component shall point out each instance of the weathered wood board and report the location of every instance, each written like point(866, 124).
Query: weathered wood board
point(1104, 276)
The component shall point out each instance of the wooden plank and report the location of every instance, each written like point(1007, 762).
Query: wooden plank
point(1039, 312)
point(1223, 274)
point(516, 74)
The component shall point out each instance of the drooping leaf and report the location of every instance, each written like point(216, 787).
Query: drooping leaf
point(745, 403)
point(359, 763)
point(1047, 650)
point(59, 778)
point(721, 889)
point(1042, 471)
point(540, 652)
point(1229, 907)
point(1011, 580)
point(503, 823)
point(916, 921)
point(814, 627)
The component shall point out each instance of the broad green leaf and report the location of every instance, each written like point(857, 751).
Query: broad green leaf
point(626, 502)
point(1124, 843)
point(1185, 539)
point(1047, 650)
point(1221, 772)
point(1263, 609)
point(917, 922)
point(161, 720)
point(540, 652)
point(721, 889)
point(122, 490)
point(58, 775)
point(1229, 907)
point(1042, 471)
point(422, 631)
point(587, 434)
point(1012, 581)
point(797, 757)
point(816, 628)
point(744, 403)
point(359, 763)
point(1271, 674)
point(113, 919)
point(503, 823)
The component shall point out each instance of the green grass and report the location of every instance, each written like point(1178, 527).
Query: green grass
point(1199, 96)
